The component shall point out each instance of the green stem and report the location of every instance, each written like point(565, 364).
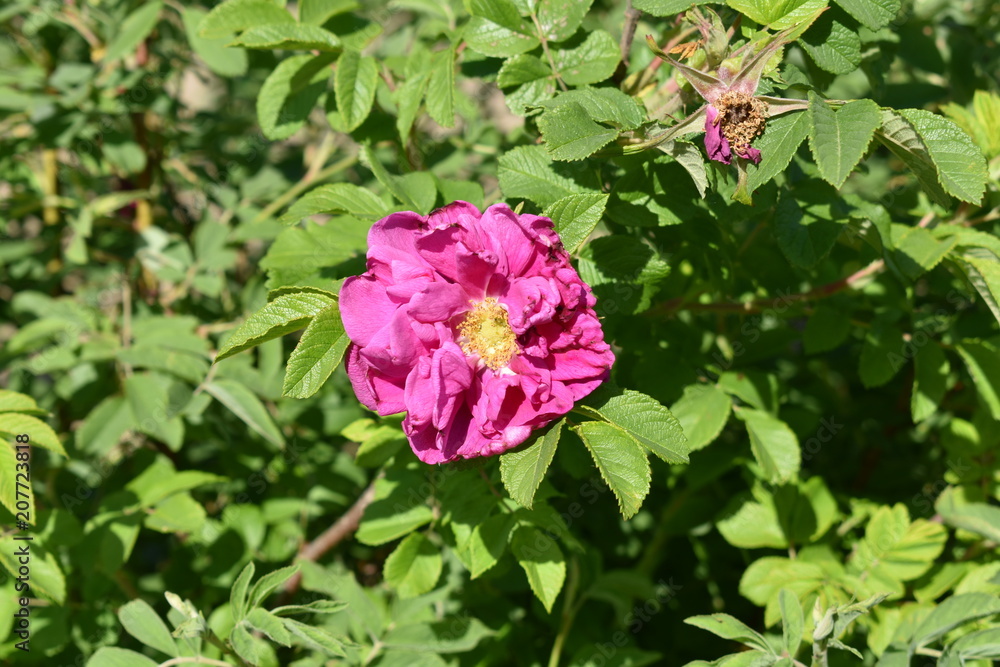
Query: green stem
point(547, 52)
point(654, 547)
point(219, 644)
point(819, 653)
point(303, 185)
point(568, 614)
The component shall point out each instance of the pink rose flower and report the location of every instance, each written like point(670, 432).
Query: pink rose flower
point(473, 323)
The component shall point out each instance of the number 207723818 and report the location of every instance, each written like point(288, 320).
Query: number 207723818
point(22, 480)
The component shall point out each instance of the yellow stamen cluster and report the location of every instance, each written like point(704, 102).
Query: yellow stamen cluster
point(486, 333)
point(742, 117)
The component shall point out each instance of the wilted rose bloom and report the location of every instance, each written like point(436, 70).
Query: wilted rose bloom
point(732, 121)
point(473, 323)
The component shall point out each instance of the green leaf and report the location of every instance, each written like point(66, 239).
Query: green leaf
point(575, 217)
point(621, 462)
point(300, 252)
point(702, 411)
point(982, 358)
point(268, 624)
point(502, 12)
point(238, 594)
point(378, 443)
point(982, 644)
point(930, 381)
point(299, 289)
point(542, 560)
point(875, 14)
point(806, 232)
point(40, 433)
point(244, 404)
point(690, 157)
point(491, 39)
point(975, 517)
point(667, 7)
point(766, 576)
point(133, 30)
point(881, 355)
point(395, 514)
point(570, 134)
point(560, 19)
point(454, 634)
point(917, 250)
point(284, 315)
point(778, 144)
point(289, 36)
point(833, 44)
point(840, 138)
point(728, 627)
point(221, 59)
point(441, 88)
point(522, 69)
point(148, 397)
point(778, 14)
point(774, 445)
point(354, 86)
point(152, 492)
point(623, 271)
point(643, 419)
point(317, 607)
point(316, 638)
point(408, 97)
point(526, 172)
point(408, 192)
point(941, 155)
point(179, 513)
point(12, 401)
point(251, 649)
point(140, 621)
point(895, 550)
point(593, 61)
point(318, 12)
point(414, 567)
point(420, 188)
point(522, 470)
point(238, 15)
point(119, 657)
point(269, 582)
point(317, 355)
point(982, 268)
point(826, 329)
point(487, 543)
point(337, 198)
point(606, 105)
point(755, 388)
point(289, 94)
point(792, 621)
point(46, 577)
point(953, 612)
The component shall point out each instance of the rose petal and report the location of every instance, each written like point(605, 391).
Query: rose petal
point(501, 229)
point(364, 308)
point(715, 143)
point(438, 302)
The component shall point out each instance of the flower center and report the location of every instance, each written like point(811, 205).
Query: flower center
point(486, 333)
point(742, 117)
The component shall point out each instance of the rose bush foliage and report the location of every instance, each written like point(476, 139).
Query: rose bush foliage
point(506, 332)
